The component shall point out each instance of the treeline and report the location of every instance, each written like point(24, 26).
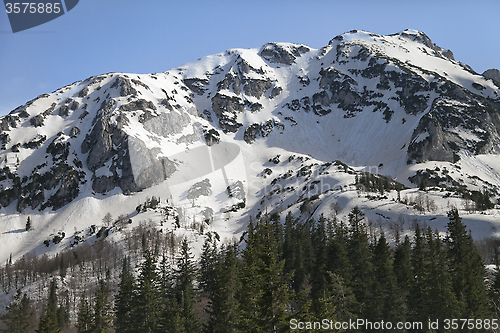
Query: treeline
point(305, 271)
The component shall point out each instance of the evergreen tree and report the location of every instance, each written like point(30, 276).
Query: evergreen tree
point(403, 270)
point(48, 322)
point(440, 302)
point(467, 269)
point(250, 282)
point(402, 264)
point(495, 286)
point(28, 224)
point(63, 313)
point(170, 312)
point(343, 303)
point(289, 243)
point(360, 258)
point(185, 274)
point(124, 321)
point(102, 309)
point(297, 249)
point(84, 317)
point(223, 312)
point(62, 267)
point(338, 259)
point(319, 280)
point(385, 300)
point(147, 301)
point(264, 292)
point(417, 297)
point(18, 314)
point(208, 260)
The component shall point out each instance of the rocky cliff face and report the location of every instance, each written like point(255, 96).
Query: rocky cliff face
point(363, 98)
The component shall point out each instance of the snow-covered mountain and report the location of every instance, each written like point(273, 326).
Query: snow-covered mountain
point(280, 128)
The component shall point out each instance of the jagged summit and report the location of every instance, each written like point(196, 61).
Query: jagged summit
point(398, 103)
point(493, 74)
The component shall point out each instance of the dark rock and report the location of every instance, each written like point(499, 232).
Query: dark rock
point(126, 88)
point(140, 83)
point(263, 129)
point(424, 39)
point(74, 106)
point(493, 74)
point(208, 115)
point(83, 92)
point(64, 111)
point(197, 85)
point(74, 132)
point(49, 111)
point(24, 114)
point(256, 88)
point(200, 188)
point(275, 92)
point(281, 53)
point(275, 159)
point(37, 121)
point(225, 108)
point(236, 190)
point(140, 104)
point(212, 137)
point(251, 132)
point(230, 81)
point(36, 142)
point(83, 115)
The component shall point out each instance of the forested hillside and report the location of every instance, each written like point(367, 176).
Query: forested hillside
point(289, 272)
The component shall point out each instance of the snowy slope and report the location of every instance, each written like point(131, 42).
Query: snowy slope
point(246, 132)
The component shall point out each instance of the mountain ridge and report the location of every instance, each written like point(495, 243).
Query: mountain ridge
point(394, 105)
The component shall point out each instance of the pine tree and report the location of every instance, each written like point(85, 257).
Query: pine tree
point(124, 321)
point(344, 304)
point(208, 260)
point(63, 313)
point(47, 325)
point(62, 267)
point(440, 302)
point(467, 269)
point(147, 302)
point(185, 274)
point(360, 258)
point(319, 280)
point(297, 250)
point(28, 224)
point(250, 282)
point(385, 301)
point(102, 309)
point(338, 259)
point(170, 313)
point(495, 286)
point(289, 243)
point(48, 322)
point(264, 292)
point(84, 317)
point(417, 297)
point(403, 270)
point(18, 314)
point(223, 312)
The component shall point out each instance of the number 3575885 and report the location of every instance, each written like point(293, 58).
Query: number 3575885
point(32, 8)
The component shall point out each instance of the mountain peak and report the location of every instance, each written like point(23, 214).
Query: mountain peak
point(369, 100)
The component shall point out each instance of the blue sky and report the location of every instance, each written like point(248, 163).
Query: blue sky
point(145, 36)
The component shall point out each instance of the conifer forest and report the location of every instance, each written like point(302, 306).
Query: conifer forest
point(281, 276)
